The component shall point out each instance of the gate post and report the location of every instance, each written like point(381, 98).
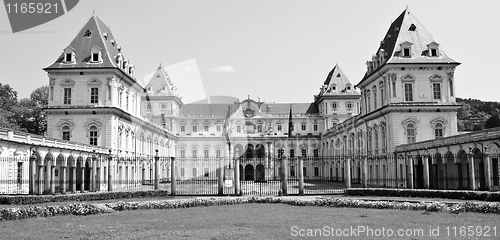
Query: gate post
point(301, 176)
point(365, 171)
point(220, 177)
point(487, 169)
point(173, 182)
point(284, 180)
point(410, 172)
point(237, 190)
point(425, 158)
point(347, 170)
point(157, 171)
point(110, 172)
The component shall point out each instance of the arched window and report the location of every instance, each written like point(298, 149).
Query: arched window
point(410, 132)
point(438, 130)
point(66, 133)
point(93, 135)
point(183, 152)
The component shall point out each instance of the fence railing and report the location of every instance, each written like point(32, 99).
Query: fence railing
point(249, 176)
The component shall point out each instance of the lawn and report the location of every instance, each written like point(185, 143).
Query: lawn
point(249, 221)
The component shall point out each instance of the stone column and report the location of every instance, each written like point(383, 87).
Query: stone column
point(410, 172)
point(157, 172)
point(347, 169)
point(32, 171)
point(52, 178)
point(40, 178)
point(237, 190)
point(487, 171)
point(284, 177)
point(73, 179)
point(110, 173)
point(365, 171)
point(62, 180)
point(220, 177)
point(425, 159)
point(301, 176)
point(172, 174)
point(82, 173)
point(93, 174)
point(472, 174)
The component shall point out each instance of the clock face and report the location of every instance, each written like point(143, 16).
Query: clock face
point(249, 113)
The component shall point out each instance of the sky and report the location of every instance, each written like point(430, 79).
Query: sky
point(275, 50)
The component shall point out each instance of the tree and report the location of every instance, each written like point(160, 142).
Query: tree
point(28, 113)
point(8, 97)
point(493, 121)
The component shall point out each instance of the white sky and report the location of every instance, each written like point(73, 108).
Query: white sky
point(280, 51)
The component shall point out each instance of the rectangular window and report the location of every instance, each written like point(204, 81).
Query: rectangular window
point(93, 138)
point(292, 171)
point(205, 153)
point(303, 127)
point(410, 134)
point(183, 172)
point(67, 95)
point(280, 127)
point(148, 106)
point(316, 171)
point(205, 128)
point(183, 128)
point(315, 127)
point(195, 172)
point(195, 153)
point(334, 106)
point(163, 106)
point(219, 128)
point(183, 153)
point(304, 152)
point(217, 153)
point(281, 152)
point(69, 57)
point(316, 153)
point(66, 135)
point(408, 92)
point(304, 171)
point(94, 95)
point(292, 153)
point(434, 52)
point(259, 128)
point(436, 91)
point(406, 52)
point(238, 129)
point(438, 133)
point(195, 129)
point(95, 57)
point(206, 173)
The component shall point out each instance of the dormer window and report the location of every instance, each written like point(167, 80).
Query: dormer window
point(406, 49)
point(95, 55)
point(149, 89)
point(87, 33)
point(69, 55)
point(163, 88)
point(433, 49)
point(412, 27)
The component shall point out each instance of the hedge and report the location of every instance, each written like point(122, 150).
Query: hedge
point(34, 199)
point(425, 193)
point(90, 209)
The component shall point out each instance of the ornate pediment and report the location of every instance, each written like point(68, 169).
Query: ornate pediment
point(67, 82)
point(436, 78)
point(94, 82)
point(408, 78)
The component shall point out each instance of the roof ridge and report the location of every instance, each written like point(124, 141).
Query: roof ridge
point(104, 43)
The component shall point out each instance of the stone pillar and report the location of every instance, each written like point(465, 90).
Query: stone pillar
point(472, 174)
point(301, 176)
point(157, 171)
point(32, 171)
point(410, 172)
point(98, 176)
point(487, 171)
point(52, 178)
point(110, 173)
point(73, 179)
point(48, 180)
point(284, 177)
point(63, 179)
point(237, 190)
point(425, 159)
point(172, 174)
point(82, 173)
point(40, 178)
point(347, 169)
point(365, 171)
point(220, 177)
point(93, 175)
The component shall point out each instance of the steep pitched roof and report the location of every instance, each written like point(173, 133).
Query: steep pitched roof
point(407, 28)
point(336, 83)
point(93, 34)
point(161, 79)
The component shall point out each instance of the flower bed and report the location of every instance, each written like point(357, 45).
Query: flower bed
point(426, 193)
point(88, 209)
point(33, 199)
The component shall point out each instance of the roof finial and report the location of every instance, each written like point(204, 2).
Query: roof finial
point(159, 67)
point(93, 12)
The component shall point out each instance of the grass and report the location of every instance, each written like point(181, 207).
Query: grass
point(247, 221)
